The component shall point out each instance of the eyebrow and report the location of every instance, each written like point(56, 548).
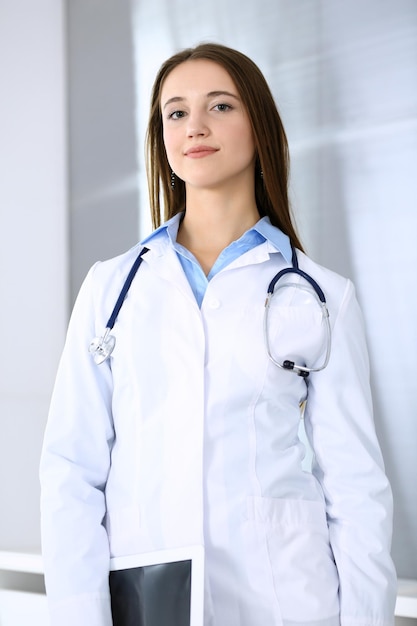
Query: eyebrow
point(211, 94)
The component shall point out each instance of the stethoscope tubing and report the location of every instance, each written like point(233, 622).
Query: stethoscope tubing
point(296, 270)
point(119, 302)
point(287, 364)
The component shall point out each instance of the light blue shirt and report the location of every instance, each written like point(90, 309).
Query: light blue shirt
point(262, 231)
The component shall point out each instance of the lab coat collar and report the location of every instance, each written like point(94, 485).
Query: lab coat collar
point(277, 241)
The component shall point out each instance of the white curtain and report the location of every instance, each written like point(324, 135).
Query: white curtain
point(344, 75)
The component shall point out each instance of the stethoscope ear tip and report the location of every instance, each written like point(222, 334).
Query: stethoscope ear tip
point(292, 367)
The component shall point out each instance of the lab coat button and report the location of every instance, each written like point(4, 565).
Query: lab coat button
point(214, 303)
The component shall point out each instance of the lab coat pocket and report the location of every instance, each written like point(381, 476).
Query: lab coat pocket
point(300, 558)
point(296, 333)
point(123, 527)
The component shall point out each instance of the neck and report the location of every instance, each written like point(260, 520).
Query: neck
point(212, 221)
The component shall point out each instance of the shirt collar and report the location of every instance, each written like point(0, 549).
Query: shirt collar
point(169, 228)
point(274, 236)
point(279, 240)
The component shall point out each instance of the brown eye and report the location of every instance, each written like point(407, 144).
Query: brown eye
point(223, 107)
point(176, 115)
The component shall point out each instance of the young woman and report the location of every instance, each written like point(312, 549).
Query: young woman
point(179, 425)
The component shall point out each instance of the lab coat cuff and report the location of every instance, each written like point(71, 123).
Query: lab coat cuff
point(90, 609)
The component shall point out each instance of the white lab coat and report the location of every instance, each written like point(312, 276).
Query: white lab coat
point(188, 435)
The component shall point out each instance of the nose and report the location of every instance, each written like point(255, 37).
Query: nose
point(197, 125)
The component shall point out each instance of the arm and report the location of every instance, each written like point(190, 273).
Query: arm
point(349, 466)
point(74, 467)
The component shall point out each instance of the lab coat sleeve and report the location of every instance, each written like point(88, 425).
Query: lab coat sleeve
point(349, 466)
point(74, 467)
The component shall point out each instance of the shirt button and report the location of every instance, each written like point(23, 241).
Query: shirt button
point(214, 303)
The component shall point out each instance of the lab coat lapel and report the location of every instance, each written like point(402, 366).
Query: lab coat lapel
point(163, 260)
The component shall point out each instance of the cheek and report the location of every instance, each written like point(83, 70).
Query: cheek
point(246, 147)
point(243, 137)
point(170, 144)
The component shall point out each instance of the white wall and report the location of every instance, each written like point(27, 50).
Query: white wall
point(102, 167)
point(33, 249)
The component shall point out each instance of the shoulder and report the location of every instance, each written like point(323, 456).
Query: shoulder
point(339, 290)
point(119, 266)
point(334, 281)
point(104, 281)
point(102, 271)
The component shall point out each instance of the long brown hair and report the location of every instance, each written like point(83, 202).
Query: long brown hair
point(272, 157)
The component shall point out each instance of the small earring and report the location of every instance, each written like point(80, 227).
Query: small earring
point(262, 173)
point(172, 180)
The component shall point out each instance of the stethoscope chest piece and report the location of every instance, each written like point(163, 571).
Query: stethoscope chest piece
point(101, 347)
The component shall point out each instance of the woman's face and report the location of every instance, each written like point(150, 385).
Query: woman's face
point(207, 133)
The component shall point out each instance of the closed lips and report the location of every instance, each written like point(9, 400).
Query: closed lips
point(200, 151)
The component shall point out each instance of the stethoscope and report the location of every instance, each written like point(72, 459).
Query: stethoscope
point(102, 347)
point(273, 288)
